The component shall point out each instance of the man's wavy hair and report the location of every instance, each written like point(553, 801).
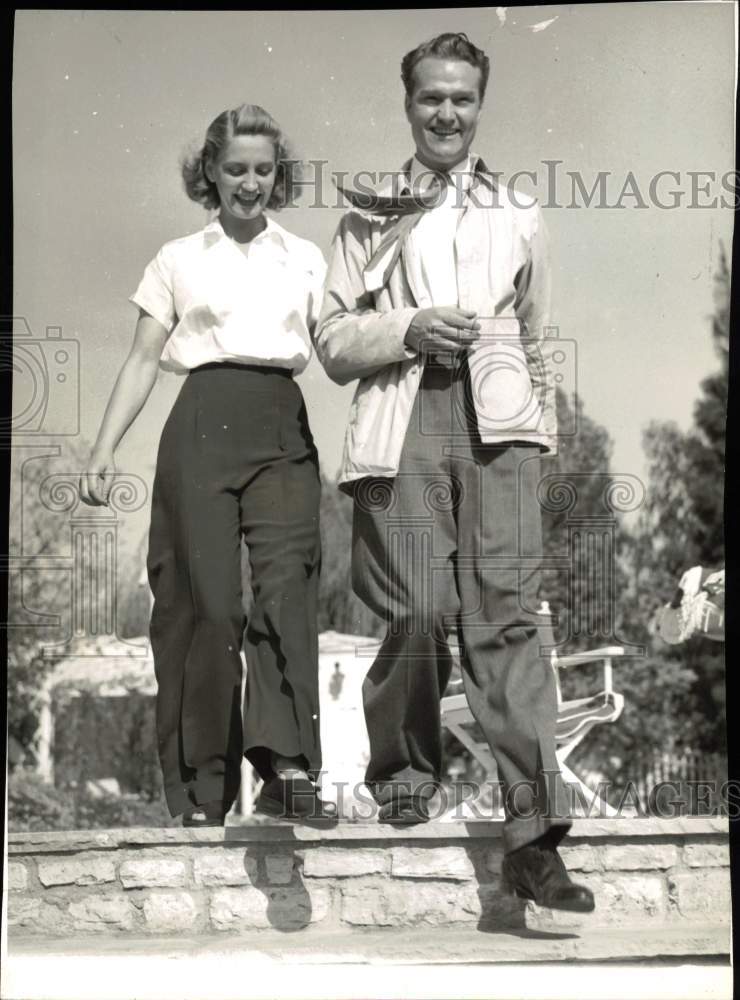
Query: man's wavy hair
point(247, 119)
point(450, 45)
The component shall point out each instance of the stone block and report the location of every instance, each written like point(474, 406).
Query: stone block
point(340, 862)
point(282, 908)
point(620, 900)
point(706, 855)
point(102, 913)
point(397, 903)
point(224, 867)
point(279, 868)
point(77, 871)
point(580, 858)
point(639, 857)
point(169, 912)
point(155, 872)
point(17, 876)
point(34, 916)
point(432, 863)
point(623, 897)
point(700, 895)
point(23, 912)
point(626, 898)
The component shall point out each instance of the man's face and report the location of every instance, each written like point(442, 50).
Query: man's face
point(443, 110)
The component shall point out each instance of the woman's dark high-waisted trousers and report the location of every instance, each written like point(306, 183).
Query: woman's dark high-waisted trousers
point(236, 459)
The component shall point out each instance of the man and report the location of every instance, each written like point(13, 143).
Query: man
point(436, 299)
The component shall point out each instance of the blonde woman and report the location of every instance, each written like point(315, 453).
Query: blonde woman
point(233, 308)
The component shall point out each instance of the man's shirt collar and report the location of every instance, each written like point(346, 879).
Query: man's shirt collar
point(421, 176)
point(401, 182)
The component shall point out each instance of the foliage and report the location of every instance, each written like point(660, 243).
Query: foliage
point(575, 591)
point(35, 596)
point(339, 608)
point(26, 673)
point(133, 595)
point(682, 526)
point(84, 751)
point(675, 696)
point(34, 805)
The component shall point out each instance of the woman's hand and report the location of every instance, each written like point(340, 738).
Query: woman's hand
point(96, 482)
point(131, 391)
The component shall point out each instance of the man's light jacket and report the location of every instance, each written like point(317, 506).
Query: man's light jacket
point(503, 275)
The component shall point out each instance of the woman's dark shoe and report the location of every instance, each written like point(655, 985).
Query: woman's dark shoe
point(405, 811)
point(536, 871)
point(206, 814)
point(294, 799)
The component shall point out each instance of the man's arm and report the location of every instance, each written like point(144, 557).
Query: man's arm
point(353, 339)
point(533, 285)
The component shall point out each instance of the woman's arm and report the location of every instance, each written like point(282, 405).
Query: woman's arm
point(132, 389)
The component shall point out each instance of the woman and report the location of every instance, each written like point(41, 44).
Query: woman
point(233, 307)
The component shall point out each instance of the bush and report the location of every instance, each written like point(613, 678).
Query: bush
point(36, 806)
point(97, 737)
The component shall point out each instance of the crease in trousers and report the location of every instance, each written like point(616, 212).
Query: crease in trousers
point(236, 459)
point(454, 541)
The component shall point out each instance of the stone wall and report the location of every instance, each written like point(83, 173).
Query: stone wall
point(196, 882)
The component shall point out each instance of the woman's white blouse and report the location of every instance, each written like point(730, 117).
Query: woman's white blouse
point(219, 304)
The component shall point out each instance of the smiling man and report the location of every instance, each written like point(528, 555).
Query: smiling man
point(443, 107)
point(436, 300)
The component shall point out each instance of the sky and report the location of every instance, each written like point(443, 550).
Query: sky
point(107, 102)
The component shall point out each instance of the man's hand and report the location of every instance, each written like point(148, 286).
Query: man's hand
point(442, 328)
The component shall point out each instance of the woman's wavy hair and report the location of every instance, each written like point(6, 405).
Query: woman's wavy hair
point(247, 119)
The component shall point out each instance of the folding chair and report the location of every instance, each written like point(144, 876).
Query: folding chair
point(575, 719)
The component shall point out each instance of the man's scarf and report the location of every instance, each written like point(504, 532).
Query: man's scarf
point(409, 208)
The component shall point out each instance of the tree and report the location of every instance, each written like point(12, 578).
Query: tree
point(339, 608)
point(44, 496)
point(676, 697)
point(683, 518)
point(133, 595)
point(35, 595)
point(580, 474)
point(706, 444)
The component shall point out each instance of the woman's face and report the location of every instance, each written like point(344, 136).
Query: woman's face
point(244, 175)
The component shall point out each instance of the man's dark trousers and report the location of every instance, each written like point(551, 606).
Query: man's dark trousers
point(455, 542)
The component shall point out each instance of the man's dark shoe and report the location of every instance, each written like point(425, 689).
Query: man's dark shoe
point(536, 871)
point(405, 811)
point(293, 799)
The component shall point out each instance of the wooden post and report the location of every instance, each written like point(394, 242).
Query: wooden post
point(45, 757)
